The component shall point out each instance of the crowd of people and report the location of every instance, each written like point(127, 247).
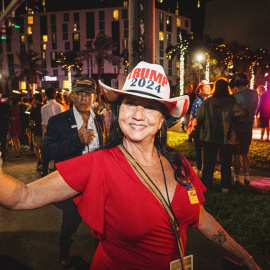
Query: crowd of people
point(221, 122)
point(137, 194)
point(23, 120)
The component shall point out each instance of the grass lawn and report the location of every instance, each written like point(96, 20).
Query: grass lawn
point(259, 152)
point(244, 212)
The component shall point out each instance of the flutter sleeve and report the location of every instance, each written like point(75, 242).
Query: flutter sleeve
point(86, 175)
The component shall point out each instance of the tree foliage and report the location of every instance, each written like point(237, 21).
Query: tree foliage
point(102, 50)
point(29, 64)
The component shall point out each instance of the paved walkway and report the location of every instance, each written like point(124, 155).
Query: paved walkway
point(29, 239)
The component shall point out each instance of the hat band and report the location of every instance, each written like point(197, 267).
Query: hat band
point(143, 93)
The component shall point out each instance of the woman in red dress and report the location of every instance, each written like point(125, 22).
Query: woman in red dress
point(114, 196)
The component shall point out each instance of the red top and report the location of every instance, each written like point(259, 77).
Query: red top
point(133, 226)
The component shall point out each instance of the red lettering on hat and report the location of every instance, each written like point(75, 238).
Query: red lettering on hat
point(154, 77)
point(130, 74)
point(145, 73)
point(164, 81)
point(136, 73)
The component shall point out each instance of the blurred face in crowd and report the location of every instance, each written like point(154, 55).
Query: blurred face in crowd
point(82, 101)
point(206, 90)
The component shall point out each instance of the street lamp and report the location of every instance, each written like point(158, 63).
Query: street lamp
point(200, 57)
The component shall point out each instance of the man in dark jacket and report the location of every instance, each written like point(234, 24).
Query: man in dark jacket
point(68, 135)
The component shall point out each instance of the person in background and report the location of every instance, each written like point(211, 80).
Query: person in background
point(260, 90)
point(47, 111)
point(35, 123)
point(15, 128)
point(4, 125)
point(60, 99)
point(248, 99)
point(107, 114)
point(24, 116)
point(99, 105)
point(215, 119)
point(192, 96)
point(70, 134)
point(111, 185)
point(203, 91)
point(263, 111)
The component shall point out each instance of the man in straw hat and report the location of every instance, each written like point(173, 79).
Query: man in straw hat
point(138, 194)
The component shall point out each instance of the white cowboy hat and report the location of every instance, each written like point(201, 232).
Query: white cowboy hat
point(149, 81)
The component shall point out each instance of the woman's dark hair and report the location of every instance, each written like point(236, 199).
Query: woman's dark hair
point(174, 156)
point(239, 79)
point(221, 88)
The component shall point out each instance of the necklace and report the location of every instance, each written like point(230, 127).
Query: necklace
point(147, 165)
point(158, 162)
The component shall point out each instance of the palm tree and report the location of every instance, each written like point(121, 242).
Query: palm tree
point(172, 51)
point(68, 60)
point(29, 64)
point(102, 51)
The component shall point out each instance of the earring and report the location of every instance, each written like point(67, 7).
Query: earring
point(160, 136)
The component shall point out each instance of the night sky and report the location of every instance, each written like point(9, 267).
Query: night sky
point(244, 21)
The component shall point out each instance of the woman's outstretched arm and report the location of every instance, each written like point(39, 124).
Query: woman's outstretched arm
point(214, 231)
point(16, 195)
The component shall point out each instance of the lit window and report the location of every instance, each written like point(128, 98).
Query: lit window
point(22, 39)
point(116, 14)
point(66, 84)
point(44, 46)
point(125, 43)
point(45, 38)
point(43, 55)
point(43, 3)
point(75, 27)
point(53, 56)
point(178, 22)
point(168, 19)
point(76, 36)
point(160, 1)
point(178, 64)
point(176, 12)
point(22, 85)
point(125, 4)
point(161, 17)
point(53, 37)
point(161, 36)
point(29, 30)
point(30, 19)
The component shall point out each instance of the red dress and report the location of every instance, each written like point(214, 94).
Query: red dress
point(133, 226)
point(15, 128)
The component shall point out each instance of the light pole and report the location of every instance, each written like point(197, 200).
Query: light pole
point(200, 57)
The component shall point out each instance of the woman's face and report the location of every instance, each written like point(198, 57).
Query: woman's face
point(139, 118)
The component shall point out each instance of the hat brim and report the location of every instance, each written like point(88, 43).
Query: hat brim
point(200, 86)
point(83, 89)
point(177, 106)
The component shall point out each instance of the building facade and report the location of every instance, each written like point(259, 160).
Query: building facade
point(50, 33)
